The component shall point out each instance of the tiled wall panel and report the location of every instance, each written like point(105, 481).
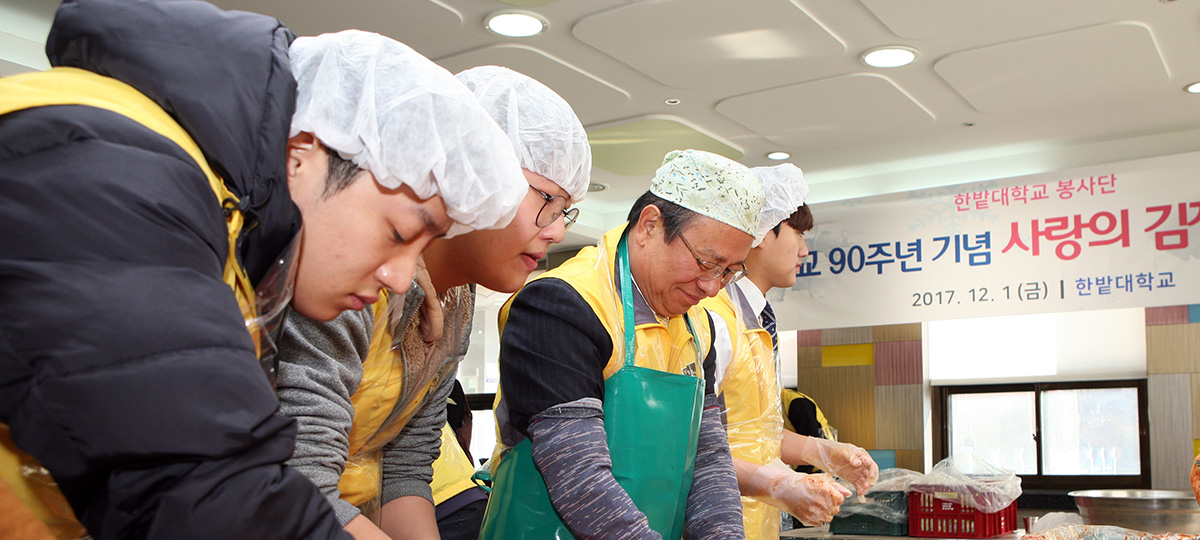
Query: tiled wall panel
point(1195, 406)
point(1173, 348)
point(1170, 403)
point(1166, 315)
point(898, 332)
point(846, 336)
point(808, 357)
point(898, 417)
point(808, 338)
point(913, 460)
point(897, 362)
point(847, 397)
point(860, 354)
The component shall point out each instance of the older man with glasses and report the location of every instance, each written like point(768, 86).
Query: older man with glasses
point(607, 415)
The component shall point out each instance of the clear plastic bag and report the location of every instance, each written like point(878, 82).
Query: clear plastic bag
point(1103, 532)
point(969, 480)
point(887, 499)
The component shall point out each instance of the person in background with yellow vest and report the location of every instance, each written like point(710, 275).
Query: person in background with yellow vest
point(369, 395)
point(566, 336)
point(802, 415)
point(180, 177)
point(748, 376)
point(460, 419)
point(459, 502)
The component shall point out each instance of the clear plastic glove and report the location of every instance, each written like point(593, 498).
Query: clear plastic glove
point(432, 319)
point(842, 460)
point(813, 498)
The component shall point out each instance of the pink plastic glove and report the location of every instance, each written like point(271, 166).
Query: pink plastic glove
point(813, 498)
point(842, 460)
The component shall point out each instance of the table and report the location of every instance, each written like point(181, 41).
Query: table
point(823, 532)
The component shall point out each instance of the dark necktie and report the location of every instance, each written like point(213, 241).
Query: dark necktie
point(768, 320)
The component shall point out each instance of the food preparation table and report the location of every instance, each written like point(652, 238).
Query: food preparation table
point(823, 533)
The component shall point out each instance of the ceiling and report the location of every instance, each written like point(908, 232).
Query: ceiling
point(1000, 88)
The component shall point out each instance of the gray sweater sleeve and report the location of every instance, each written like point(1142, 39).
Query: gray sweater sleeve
point(320, 367)
point(408, 459)
point(570, 449)
point(714, 506)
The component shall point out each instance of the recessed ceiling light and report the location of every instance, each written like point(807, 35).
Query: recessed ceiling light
point(778, 156)
point(1193, 88)
point(890, 56)
point(515, 24)
point(672, 101)
point(596, 186)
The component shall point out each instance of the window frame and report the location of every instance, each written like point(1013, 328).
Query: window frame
point(1040, 481)
point(481, 401)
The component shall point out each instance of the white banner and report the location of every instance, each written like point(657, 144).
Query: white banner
point(1098, 237)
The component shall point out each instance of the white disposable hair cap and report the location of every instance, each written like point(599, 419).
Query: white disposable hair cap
point(547, 136)
point(785, 191)
point(409, 122)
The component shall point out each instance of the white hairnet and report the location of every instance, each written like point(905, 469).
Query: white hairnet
point(546, 134)
point(785, 189)
point(408, 121)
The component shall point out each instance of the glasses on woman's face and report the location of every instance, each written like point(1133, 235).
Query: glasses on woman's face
point(709, 271)
point(555, 205)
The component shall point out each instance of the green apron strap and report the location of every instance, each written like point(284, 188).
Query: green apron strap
point(624, 275)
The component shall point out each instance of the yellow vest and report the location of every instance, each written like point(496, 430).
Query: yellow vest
point(380, 387)
point(398, 373)
point(668, 347)
point(71, 86)
point(750, 388)
point(789, 396)
point(451, 470)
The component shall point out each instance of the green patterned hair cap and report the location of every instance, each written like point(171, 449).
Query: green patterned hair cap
point(711, 185)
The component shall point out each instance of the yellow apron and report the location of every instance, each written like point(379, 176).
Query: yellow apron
point(451, 470)
point(398, 373)
point(71, 86)
point(754, 416)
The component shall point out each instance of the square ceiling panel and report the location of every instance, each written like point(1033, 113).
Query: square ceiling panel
point(703, 43)
point(637, 147)
point(592, 98)
point(922, 19)
point(1090, 65)
point(407, 22)
point(838, 110)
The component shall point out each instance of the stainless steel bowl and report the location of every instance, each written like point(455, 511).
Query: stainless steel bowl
point(1150, 510)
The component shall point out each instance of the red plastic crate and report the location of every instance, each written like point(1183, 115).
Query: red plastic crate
point(939, 518)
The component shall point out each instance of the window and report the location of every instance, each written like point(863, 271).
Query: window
point(999, 427)
point(1054, 435)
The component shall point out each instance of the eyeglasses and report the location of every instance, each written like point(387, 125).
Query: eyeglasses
point(710, 270)
point(555, 205)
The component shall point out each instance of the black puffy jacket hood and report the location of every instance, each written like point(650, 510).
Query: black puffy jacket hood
point(224, 76)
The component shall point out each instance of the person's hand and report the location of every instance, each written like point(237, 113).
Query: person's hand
point(813, 498)
point(431, 310)
point(843, 460)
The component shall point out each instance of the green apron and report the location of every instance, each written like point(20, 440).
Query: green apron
point(652, 419)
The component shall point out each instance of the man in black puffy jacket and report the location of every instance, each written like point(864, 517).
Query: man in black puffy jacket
point(152, 190)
